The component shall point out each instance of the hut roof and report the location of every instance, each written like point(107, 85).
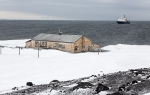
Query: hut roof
point(57, 37)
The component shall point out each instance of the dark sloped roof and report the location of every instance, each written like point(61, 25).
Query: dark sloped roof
point(57, 38)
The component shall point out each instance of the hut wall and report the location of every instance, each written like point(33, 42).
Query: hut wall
point(61, 46)
point(33, 44)
point(28, 44)
point(69, 47)
point(94, 47)
point(82, 45)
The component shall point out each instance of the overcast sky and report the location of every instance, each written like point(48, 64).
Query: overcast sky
point(74, 9)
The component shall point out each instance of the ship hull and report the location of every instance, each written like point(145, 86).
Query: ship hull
point(123, 22)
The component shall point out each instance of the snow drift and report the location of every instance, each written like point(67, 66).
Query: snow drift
point(16, 70)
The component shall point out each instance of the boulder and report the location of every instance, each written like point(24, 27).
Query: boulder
point(83, 85)
point(117, 93)
point(134, 82)
point(122, 88)
point(101, 87)
point(29, 84)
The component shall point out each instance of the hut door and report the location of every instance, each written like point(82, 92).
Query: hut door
point(89, 48)
point(76, 48)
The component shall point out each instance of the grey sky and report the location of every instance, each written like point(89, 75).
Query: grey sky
point(74, 9)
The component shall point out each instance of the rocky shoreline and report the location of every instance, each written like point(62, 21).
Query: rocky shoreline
point(131, 82)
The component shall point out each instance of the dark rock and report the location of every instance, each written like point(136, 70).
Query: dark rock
point(15, 88)
point(128, 83)
point(136, 73)
point(93, 76)
point(128, 88)
point(121, 88)
point(117, 93)
point(29, 84)
point(134, 82)
point(55, 84)
point(148, 77)
point(101, 87)
point(124, 93)
point(56, 81)
point(83, 85)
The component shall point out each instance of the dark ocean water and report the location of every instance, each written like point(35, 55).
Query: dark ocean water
point(100, 32)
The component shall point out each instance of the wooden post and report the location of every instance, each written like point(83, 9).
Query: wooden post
point(83, 42)
point(0, 50)
point(98, 51)
point(38, 52)
point(19, 50)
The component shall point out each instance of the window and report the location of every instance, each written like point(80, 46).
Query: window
point(76, 48)
point(43, 44)
point(37, 43)
point(40, 43)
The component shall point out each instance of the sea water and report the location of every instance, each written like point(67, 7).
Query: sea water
point(100, 32)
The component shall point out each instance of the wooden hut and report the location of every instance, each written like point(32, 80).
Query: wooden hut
point(69, 43)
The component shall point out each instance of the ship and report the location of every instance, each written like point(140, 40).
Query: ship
point(123, 20)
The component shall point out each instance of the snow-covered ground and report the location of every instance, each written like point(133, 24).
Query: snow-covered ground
point(16, 70)
point(147, 94)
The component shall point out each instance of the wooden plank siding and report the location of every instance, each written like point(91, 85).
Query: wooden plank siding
point(83, 44)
